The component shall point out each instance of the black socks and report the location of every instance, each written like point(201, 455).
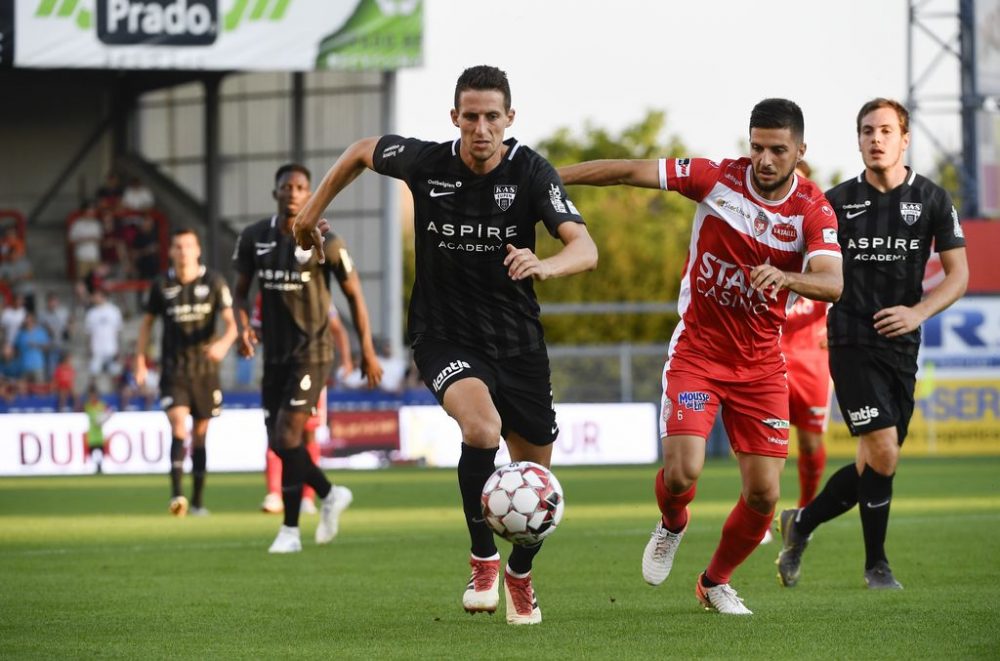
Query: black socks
point(475, 467)
point(176, 465)
point(874, 497)
point(838, 495)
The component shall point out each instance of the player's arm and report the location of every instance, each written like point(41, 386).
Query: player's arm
point(348, 167)
point(216, 350)
point(141, 344)
point(900, 319)
point(612, 172)
point(579, 253)
point(823, 279)
point(370, 366)
point(343, 344)
point(241, 304)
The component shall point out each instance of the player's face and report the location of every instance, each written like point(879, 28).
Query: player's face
point(882, 141)
point(482, 120)
point(292, 192)
point(774, 154)
point(184, 251)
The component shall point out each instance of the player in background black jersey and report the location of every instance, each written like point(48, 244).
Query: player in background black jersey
point(298, 347)
point(474, 320)
point(189, 298)
point(888, 217)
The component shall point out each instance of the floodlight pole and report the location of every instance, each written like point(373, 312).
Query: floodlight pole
point(213, 177)
point(392, 253)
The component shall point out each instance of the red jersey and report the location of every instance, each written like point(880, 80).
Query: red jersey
point(726, 332)
point(805, 327)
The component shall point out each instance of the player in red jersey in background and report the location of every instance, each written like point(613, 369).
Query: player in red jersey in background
point(760, 233)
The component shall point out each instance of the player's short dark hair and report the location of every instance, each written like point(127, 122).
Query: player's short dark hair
point(185, 230)
point(880, 102)
point(778, 114)
point(483, 77)
point(292, 167)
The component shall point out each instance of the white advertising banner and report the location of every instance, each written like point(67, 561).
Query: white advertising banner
point(588, 434)
point(272, 35)
point(964, 340)
point(136, 442)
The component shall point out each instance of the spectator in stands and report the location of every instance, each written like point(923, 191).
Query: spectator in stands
point(63, 382)
point(15, 268)
point(137, 196)
point(10, 323)
point(85, 236)
point(146, 249)
point(103, 323)
point(31, 344)
point(114, 249)
point(109, 195)
point(55, 317)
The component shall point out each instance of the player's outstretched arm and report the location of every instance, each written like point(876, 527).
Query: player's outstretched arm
point(641, 173)
point(348, 167)
point(370, 365)
point(579, 253)
point(823, 279)
point(141, 344)
point(900, 319)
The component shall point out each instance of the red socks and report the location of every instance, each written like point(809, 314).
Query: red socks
point(272, 472)
point(810, 473)
point(673, 506)
point(741, 534)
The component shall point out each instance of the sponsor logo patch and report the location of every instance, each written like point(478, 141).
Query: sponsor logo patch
point(785, 232)
point(450, 370)
point(556, 198)
point(693, 400)
point(775, 423)
point(683, 167)
point(829, 235)
point(863, 415)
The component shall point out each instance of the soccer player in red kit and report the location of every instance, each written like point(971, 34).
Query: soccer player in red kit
point(760, 234)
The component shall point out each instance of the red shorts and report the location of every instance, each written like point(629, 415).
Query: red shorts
point(755, 413)
point(809, 390)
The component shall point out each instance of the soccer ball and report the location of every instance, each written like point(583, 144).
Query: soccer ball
point(523, 502)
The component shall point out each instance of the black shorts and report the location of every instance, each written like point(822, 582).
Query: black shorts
point(200, 393)
point(874, 388)
point(521, 387)
point(292, 387)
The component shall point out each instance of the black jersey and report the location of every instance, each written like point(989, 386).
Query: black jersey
point(462, 224)
point(295, 298)
point(189, 311)
point(886, 241)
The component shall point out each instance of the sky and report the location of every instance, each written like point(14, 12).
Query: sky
point(704, 62)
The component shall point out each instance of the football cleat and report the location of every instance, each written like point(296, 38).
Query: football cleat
point(273, 504)
point(658, 558)
point(287, 541)
point(482, 594)
point(308, 506)
point(335, 502)
point(880, 577)
point(722, 598)
point(767, 538)
point(522, 605)
point(178, 506)
point(793, 544)
point(199, 511)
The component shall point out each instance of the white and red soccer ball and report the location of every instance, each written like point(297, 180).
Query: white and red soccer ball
point(523, 502)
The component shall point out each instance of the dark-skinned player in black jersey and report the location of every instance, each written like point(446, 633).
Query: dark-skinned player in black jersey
point(474, 319)
point(190, 299)
point(298, 347)
point(888, 217)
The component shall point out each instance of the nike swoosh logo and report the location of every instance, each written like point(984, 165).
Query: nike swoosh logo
point(264, 251)
point(297, 402)
point(437, 193)
point(855, 214)
point(872, 505)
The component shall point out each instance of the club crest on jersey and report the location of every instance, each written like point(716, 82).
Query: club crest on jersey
point(760, 223)
point(504, 195)
point(201, 291)
point(910, 211)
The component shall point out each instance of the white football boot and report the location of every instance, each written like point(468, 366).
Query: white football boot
point(721, 598)
point(658, 557)
point(287, 541)
point(482, 594)
point(338, 500)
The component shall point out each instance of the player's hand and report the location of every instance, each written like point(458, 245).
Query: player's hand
point(768, 280)
point(521, 263)
point(140, 373)
point(215, 352)
point(312, 238)
point(248, 340)
point(371, 368)
point(897, 320)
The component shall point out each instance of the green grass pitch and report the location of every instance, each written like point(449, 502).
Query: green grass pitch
point(94, 567)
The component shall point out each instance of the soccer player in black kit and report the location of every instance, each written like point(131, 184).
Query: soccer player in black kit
point(190, 298)
point(888, 216)
point(298, 345)
point(473, 318)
